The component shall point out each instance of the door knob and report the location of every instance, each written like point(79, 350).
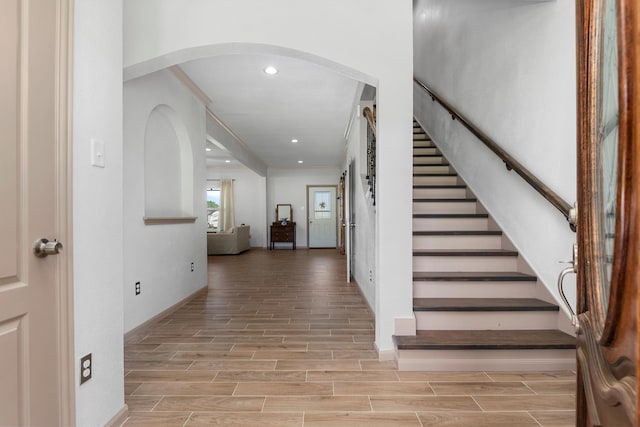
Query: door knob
point(43, 247)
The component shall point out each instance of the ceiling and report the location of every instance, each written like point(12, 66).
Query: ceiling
point(303, 101)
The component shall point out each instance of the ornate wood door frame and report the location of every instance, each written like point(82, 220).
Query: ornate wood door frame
point(608, 333)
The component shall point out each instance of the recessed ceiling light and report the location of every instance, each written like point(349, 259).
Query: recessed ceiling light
point(300, 161)
point(271, 70)
point(295, 141)
point(227, 161)
point(207, 149)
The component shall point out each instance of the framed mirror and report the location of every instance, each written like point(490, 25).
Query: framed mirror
point(284, 212)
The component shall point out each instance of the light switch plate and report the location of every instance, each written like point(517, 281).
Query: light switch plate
point(97, 153)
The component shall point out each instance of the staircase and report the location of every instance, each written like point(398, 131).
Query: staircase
point(477, 304)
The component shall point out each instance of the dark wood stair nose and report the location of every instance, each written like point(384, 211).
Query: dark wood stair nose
point(465, 252)
point(445, 200)
point(464, 215)
point(474, 276)
point(436, 174)
point(540, 339)
point(445, 186)
point(458, 233)
point(482, 304)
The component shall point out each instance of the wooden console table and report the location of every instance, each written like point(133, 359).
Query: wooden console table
point(283, 234)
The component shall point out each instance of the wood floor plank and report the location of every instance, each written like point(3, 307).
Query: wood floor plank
point(494, 419)
point(526, 403)
point(280, 340)
point(423, 403)
point(381, 388)
point(360, 419)
point(244, 419)
point(185, 389)
point(209, 403)
point(479, 388)
point(284, 389)
point(555, 418)
point(316, 403)
point(158, 419)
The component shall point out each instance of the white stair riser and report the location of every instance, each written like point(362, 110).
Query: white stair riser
point(450, 224)
point(435, 180)
point(428, 160)
point(457, 242)
point(424, 144)
point(464, 263)
point(429, 150)
point(444, 207)
point(464, 289)
point(432, 169)
point(486, 360)
point(439, 193)
point(494, 320)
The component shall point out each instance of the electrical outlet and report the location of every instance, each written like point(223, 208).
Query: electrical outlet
point(193, 266)
point(137, 288)
point(86, 368)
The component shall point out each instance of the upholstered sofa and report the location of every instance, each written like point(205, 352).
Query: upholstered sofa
point(228, 242)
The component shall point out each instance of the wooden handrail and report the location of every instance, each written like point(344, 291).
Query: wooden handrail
point(511, 163)
point(371, 119)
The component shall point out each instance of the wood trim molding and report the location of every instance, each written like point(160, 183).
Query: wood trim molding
point(190, 84)
point(64, 147)
point(160, 220)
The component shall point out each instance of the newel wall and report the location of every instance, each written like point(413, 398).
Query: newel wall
point(368, 41)
point(509, 66)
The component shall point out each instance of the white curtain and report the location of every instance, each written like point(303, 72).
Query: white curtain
point(227, 215)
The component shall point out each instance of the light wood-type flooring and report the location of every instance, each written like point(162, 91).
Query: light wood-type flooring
point(280, 339)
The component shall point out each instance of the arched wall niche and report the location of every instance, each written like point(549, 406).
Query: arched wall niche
point(168, 165)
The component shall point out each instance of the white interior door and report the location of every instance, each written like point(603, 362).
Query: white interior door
point(321, 203)
point(31, 381)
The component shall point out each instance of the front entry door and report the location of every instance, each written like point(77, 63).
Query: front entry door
point(608, 211)
point(321, 203)
point(33, 116)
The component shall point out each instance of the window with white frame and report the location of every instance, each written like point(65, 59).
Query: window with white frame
point(213, 209)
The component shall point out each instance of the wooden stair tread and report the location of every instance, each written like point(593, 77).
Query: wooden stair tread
point(445, 200)
point(482, 304)
point(462, 215)
point(545, 339)
point(459, 233)
point(436, 174)
point(433, 186)
point(473, 276)
point(427, 155)
point(465, 252)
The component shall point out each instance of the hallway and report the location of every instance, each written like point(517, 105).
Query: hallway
point(280, 339)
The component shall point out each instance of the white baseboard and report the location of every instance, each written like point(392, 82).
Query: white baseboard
point(119, 418)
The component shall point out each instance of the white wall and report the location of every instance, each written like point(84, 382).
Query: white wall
point(289, 186)
point(160, 256)
point(368, 41)
point(510, 68)
point(250, 199)
point(97, 208)
point(364, 242)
